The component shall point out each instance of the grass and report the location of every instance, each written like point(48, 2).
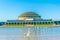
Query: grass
point(44, 25)
point(14, 25)
point(23, 25)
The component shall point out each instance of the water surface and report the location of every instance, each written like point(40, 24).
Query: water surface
point(39, 33)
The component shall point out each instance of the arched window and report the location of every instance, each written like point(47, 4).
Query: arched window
point(45, 22)
point(15, 23)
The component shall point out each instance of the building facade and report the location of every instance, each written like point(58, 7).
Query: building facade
point(30, 18)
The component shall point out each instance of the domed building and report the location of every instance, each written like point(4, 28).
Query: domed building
point(30, 18)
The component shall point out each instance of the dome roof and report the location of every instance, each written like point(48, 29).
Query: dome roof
point(29, 14)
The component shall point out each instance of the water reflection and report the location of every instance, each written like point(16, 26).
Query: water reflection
point(33, 33)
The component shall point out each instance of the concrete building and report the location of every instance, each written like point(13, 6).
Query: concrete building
point(30, 18)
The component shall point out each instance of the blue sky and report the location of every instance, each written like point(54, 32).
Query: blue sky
point(11, 9)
